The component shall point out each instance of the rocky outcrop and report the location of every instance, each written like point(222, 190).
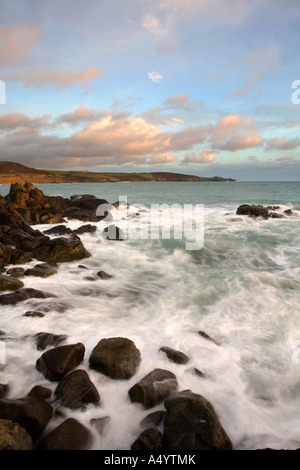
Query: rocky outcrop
point(10, 283)
point(21, 295)
point(153, 388)
point(191, 424)
point(57, 362)
point(41, 270)
point(13, 436)
point(116, 357)
point(69, 435)
point(61, 250)
point(253, 211)
point(76, 389)
point(149, 439)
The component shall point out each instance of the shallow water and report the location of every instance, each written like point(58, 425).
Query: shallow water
point(242, 288)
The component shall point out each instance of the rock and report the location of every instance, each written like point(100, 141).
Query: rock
point(76, 389)
point(43, 340)
point(38, 391)
point(113, 233)
point(3, 390)
point(32, 413)
point(153, 419)
point(69, 435)
point(103, 275)
point(41, 270)
point(275, 215)
point(153, 388)
point(33, 313)
point(60, 250)
point(14, 437)
point(206, 336)
point(16, 272)
point(58, 230)
point(57, 362)
point(9, 255)
point(198, 372)
point(23, 294)
point(192, 424)
point(10, 283)
point(118, 358)
point(288, 212)
point(253, 211)
point(149, 439)
point(88, 228)
point(100, 423)
point(174, 355)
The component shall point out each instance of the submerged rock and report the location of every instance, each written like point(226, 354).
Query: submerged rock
point(43, 340)
point(192, 424)
point(21, 295)
point(13, 436)
point(41, 270)
point(69, 435)
point(57, 362)
point(176, 356)
point(206, 336)
point(153, 388)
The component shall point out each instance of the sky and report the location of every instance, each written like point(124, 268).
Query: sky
point(204, 87)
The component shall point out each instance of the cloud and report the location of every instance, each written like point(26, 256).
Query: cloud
point(12, 121)
point(242, 142)
point(16, 42)
point(154, 25)
point(155, 76)
point(285, 159)
point(206, 156)
point(81, 115)
point(161, 159)
point(40, 76)
point(282, 144)
point(177, 101)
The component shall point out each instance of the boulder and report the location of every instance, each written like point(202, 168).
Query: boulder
point(76, 389)
point(176, 356)
point(149, 439)
point(43, 340)
point(41, 270)
point(57, 362)
point(58, 230)
point(191, 424)
point(60, 250)
point(38, 391)
point(9, 283)
point(13, 436)
point(23, 294)
point(288, 212)
point(153, 388)
point(16, 272)
point(69, 435)
point(32, 413)
point(253, 211)
point(103, 275)
point(88, 228)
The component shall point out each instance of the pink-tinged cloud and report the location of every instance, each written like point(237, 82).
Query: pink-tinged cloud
point(287, 158)
point(44, 76)
point(15, 120)
point(161, 159)
point(16, 42)
point(282, 144)
point(82, 114)
point(242, 142)
point(206, 156)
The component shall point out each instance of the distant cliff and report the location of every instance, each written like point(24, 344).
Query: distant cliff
point(15, 172)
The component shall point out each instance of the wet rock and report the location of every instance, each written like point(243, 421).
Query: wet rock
point(33, 313)
point(41, 270)
point(253, 211)
point(43, 340)
point(174, 355)
point(149, 439)
point(58, 230)
point(60, 250)
point(38, 391)
point(113, 233)
point(16, 272)
point(3, 390)
point(198, 372)
point(100, 423)
point(76, 389)
point(9, 255)
point(103, 275)
point(13, 436)
point(69, 435)
point(117, 358)
point(88, 228)
point(10, 283)
point(153, 388)
point(206, 336)
point(153, 419)
point(192, 424)
point(275, 215)
point(57, 362)
point(32, 413)
point(23, 294)
point(288, 212)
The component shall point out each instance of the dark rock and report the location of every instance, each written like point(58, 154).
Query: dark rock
point(113, 233)
point(117, 358)
point(76, 389)
point(38, 391)
point(33, 414)
point(100, 423)
point(9, 255)
point(88, 228)
point(14, 437)
point(43, 340)
point(253, 211)
point(57, 362)
point(69, 435)
point(103, 275)
point(16, 272)
point(58, 230)
point(9, 283)
point(198, 372)
point(33, 313)
point(206, 336)
point(192, 424)
point(275, 215)
point(81, 266)
point(153, 388)
point(288, 212)
point(23, 294)
point(174, 355)
point(41, 270)
point(61, 250)
point(3, 390)
point(153, 419)
point(149, 439)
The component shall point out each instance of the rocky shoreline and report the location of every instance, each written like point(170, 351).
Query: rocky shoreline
point(188, 421)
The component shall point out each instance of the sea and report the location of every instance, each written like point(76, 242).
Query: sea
point(239, 282)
